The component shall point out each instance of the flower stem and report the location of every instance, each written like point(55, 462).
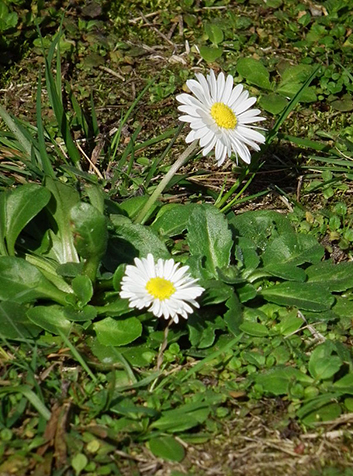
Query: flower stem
point(163, 345)
point(143, 215)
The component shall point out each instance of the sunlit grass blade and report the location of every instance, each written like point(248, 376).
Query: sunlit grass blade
point(157, 161)
point(16, 130)
point(290, 107)
point(94, 121)
point(45, 161)
point(80, 116)
point(26, 391)
point(116, 138)
point(237, 201)
point(54, 88)
point(77, 355)
point(126, 366)
point(61, 117)
point(307, 143)
point(129, 151)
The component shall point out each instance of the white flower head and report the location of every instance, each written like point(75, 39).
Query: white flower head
point(165, 288)
point(219, 117)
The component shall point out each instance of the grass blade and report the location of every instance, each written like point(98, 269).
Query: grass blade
point(26, 391)
point(45, 161)
point(77, 355)
point(294, 101)
point(15, 129)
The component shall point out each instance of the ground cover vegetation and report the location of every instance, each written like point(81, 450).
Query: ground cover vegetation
point(169, 303)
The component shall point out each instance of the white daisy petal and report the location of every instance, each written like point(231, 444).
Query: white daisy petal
point(211, 78)
point(220, 117)
point(235, 94)
point(242, 106)
point(220, 86)
point(190, 137)
point(210, 146)
point(206, 139)
point(227, 91)
point(165, 288)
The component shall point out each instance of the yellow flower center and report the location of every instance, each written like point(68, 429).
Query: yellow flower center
point(160, 288)
point(223, 115)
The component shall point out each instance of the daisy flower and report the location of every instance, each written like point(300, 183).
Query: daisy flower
point(219, 117)
point(163, 287)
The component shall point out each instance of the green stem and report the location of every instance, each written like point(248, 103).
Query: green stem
point(90, 267)
point(226, 207)
point(142, 216)
point(221, 200)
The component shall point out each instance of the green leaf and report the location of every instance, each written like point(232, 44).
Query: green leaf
point(343, 307)
point(307, 296)
point(210, 237)
point(118, 332)
point(83, 289)
point(273, 3)
point(273, 103)
point(246, 292)
point(214, 33)
point(202, 329)
point(133, 206)
point(290, 107)
point(50, 318)
point(230, 275)
point(22, 204)
point(64, 198)
point(336, 277)
point(215, 293)
point(233, 317)
point(328, 412)
point(3, 250)
point(278, 380)
point(284, 271)
point(210, 54)
point(254, 329)
point(345, 384)
point(289, 324)
point(21, 282)
point(296, 74)
point(344, 105)
point(322, 364)
point(287, 251)
point(292, 248)
point(118, 276)
point(254, 72)
point(254, 358)
point(14, 323)
point(259, 226)
point(172, 219)
point(245, 253)
point(114, 307)
point(167, 447)
point(316, 403)
point(182, 418)
point(291, 89)
point(79, 462)
point(90, 230)
point(131, 240)
point(87, 313)
point(136, 355)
